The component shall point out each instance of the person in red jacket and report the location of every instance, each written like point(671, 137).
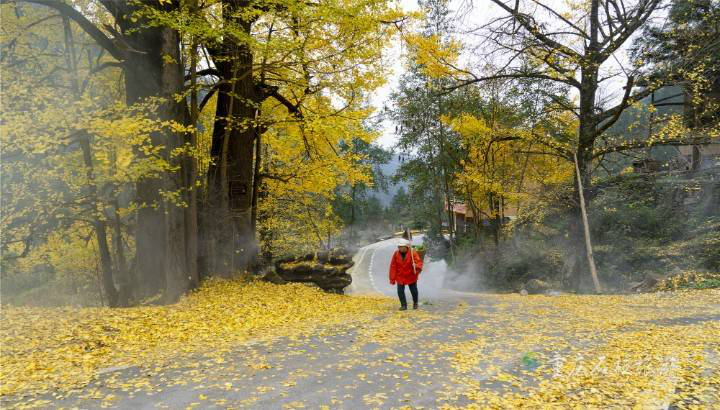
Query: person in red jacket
point(405, 267)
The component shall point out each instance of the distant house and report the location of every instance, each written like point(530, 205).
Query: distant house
point(695, 157)
point(464, 218)
point(688, 158)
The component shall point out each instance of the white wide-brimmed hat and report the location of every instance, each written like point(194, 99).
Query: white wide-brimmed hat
point(403, 242)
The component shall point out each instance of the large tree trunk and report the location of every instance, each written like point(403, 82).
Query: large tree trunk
point(230, 177)
point(142, 80)
point(265, 254)
point(191, 212)
point(577, 273)
point(144, 51)
point(160, 245)
point(178, 278)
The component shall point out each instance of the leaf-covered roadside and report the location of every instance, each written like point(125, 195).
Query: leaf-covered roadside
point(642, 351)
point(488, 351)
point(62, 348)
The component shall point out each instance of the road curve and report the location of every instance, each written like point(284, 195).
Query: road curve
point(370, 273)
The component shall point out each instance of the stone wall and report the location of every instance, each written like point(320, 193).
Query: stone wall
point(326, 269)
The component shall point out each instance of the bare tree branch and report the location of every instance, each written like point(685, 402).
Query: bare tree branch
point(611, 112)
point(646, 144)
point(91, 29)
point(580, 31)
point(619, 108)
point(208, 71)
point(643, 12)
point(538, 76)
point(527, 22)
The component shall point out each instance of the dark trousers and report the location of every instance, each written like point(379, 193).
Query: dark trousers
point(413, 291)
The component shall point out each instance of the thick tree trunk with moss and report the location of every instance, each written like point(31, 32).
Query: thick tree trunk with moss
point(152, 69)
point(151, 60)
point(230, 177)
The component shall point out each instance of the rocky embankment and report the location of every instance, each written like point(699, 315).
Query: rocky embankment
point(326, 269)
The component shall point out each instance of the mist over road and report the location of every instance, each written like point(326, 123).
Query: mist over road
point(372, 263)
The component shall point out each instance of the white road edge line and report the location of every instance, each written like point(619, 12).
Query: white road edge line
point(370, 272)
point(359, 258)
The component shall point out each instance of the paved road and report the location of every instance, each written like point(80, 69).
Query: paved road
point(459, 349)
point(370, 274)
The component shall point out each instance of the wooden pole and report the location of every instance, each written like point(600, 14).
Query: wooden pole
point(412, 259)
point(586, 228)
point(191, 226)
point(410, 248)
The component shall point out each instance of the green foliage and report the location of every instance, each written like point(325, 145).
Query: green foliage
point(637, 206)
point(530, 260)
point(690, 279)
point(355, 203)
point(640, 224)
point(707, 244)
point(708, 284)
point(685, 49)
point(406, 212)
point(429, 148)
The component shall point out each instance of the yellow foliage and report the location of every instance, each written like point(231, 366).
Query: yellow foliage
point(72, 251)
point(296, 213)
point(498, 163)
point(438, 59)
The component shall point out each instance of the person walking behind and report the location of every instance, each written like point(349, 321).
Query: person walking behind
point(405, 267)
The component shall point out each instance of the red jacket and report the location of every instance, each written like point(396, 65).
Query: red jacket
point(401, 269)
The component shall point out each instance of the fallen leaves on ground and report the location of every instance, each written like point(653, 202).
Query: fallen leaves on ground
point(690, 279)
point(493, 352)
point(63, 348)
point(622, 351)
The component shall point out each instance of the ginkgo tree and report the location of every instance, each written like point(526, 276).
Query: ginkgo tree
point(303, 165)
point(207, 87)
point(285, 62)
point(150, 73)
point(509, 141)
point(482, 144)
